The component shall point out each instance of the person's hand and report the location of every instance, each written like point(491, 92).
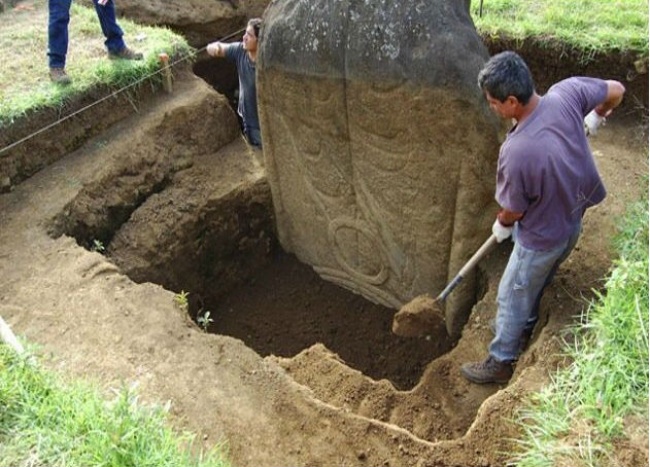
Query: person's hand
point(213, 49)
point(592, 122)
point(500, 231)
point(102, 2)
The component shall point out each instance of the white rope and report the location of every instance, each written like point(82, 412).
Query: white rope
point(9, 338)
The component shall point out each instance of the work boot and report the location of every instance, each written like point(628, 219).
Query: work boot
point(59, 76)
point(489, 370)
point(125, 54)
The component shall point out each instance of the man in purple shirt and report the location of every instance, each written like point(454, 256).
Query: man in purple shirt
point(546, 180)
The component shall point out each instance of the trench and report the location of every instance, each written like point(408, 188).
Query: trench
point(286, 308)
point(327, 338)
point(190, 229)
point(252, 289)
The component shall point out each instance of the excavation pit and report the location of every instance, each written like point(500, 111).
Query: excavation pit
point(199, 220)
point(286, 308)
point(253, 290)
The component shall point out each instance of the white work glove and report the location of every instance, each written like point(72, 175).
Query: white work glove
point(592, 122)
point(500, 231)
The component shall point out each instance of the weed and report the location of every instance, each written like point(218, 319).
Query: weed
point(181, 300)
point(98, 246)
point(204, 320)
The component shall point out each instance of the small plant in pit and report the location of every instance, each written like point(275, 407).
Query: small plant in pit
point(181, 300)
point(204, 320)
point(98, 246)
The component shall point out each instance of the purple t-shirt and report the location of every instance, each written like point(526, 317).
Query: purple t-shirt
point(546, 169)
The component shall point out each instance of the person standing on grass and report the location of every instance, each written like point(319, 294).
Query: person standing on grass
point(57, 34)
point(244, 55)
point(546, 180)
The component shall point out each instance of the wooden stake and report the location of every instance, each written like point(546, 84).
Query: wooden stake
point(166, 72)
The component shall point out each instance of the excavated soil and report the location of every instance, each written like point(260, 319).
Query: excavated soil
point(97, 246)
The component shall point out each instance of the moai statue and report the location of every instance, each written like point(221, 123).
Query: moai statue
point(379, 146)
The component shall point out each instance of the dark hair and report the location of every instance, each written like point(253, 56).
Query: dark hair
point(256, 24)
point(506, 74)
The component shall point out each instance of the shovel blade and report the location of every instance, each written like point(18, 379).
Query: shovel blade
point(421, 316)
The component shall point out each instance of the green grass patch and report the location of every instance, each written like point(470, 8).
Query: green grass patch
point(589, 25)
point(24, 82)
point(46, 422)
point(578, 419)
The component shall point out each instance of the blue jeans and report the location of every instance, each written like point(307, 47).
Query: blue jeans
point(57, 31)
point(520, 291)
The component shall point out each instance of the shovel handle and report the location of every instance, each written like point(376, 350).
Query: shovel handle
point(478, 256)
point(469, 265)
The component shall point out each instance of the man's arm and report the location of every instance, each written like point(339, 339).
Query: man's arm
point(508, 218)
point(595, 118)
point(216, 49)
point(504, 223)
point(615, 92)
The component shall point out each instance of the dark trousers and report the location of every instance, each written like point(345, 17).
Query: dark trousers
point(59, 18)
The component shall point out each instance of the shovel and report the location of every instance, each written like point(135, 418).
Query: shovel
point(424, 313)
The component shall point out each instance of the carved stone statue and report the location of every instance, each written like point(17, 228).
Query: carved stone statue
point(379, 147)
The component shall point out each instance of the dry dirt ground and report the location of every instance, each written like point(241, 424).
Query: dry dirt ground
point(294, 371)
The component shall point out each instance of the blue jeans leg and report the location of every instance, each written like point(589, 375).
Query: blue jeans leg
point(57, 32)
point(527, 274)
point(112, 31)
point(534, 315)
point(253, 136)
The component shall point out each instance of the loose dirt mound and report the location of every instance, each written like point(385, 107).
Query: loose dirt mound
point(307, 404)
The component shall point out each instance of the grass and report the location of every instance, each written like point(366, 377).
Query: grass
point(589, 25)
point(24, 80)
point(44, 421)
point(580, 417)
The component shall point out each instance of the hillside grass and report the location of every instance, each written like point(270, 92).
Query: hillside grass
point(46, 421)
point(589, 25)
point(594, 405)
point(593, 26)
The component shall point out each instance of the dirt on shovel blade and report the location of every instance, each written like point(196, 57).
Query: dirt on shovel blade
point(419, 317)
